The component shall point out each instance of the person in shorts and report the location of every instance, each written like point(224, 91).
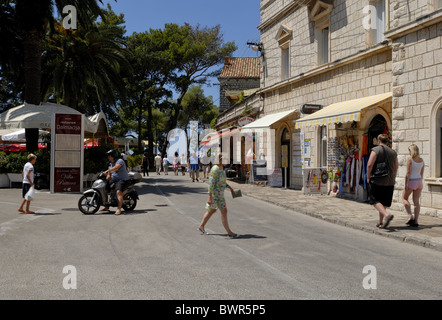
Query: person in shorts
point(381, 188)
point(28, 182)
point(117, 173)
point(413, 184)
point(158, 162)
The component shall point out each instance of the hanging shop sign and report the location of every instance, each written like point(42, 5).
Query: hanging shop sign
point(310, 108)
point(244, 121)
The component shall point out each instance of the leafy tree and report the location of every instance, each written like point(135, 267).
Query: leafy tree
point(196, 106)
point(203, 49)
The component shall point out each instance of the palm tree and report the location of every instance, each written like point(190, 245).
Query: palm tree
point(32, 19)
point(84, 68)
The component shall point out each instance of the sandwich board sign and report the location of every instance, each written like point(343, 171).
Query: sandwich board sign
point(67, 153)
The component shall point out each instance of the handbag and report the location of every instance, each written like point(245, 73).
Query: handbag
point(381, 168)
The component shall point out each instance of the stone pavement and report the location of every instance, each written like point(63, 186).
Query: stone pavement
point(349, 213)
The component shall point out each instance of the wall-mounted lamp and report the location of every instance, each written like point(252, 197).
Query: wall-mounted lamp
point(256, 46)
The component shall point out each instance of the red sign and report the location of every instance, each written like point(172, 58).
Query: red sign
point(67, 180)
point(68, 124)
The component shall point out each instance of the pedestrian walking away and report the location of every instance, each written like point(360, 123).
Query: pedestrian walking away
point(217, 185)
point(183, 161)
point(157, 161)
point(176, 163)
point(28, 182)
point(145, 164)
point(413, 184)
point(166, 165)
point(381, 175)
point(194, 167)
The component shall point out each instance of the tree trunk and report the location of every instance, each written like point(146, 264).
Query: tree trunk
point(32, 45)
point(150, 149)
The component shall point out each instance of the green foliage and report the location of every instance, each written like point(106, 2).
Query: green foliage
point(12, 163)
point(134, 160)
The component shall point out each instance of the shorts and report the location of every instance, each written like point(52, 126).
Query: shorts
point(25, 189)
point(415, 184)
point(381, 194)
point(176, 166)
point(119, 185)
point(194, 167)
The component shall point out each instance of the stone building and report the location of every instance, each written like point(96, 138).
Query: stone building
point(238, 74)
point(416, 35)
point(369, 67)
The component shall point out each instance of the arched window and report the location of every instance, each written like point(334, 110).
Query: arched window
point(436, 140)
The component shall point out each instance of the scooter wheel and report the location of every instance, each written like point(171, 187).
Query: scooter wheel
point(87, 205)
point(129, 203)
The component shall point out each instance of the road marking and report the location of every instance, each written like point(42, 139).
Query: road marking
point(312, 294)
point(14, 224)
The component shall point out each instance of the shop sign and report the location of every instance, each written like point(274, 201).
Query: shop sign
point(244, 121)
point(67, 153)
point(310, 108)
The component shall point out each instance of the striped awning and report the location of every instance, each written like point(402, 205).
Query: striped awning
point(342, 111)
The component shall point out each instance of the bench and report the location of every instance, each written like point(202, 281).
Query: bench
point(14, 178)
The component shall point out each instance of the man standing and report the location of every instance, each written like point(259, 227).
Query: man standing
point(381, 188)
point(117, 173)
point(158, 161)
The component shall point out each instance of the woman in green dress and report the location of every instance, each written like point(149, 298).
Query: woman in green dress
point(217, 185)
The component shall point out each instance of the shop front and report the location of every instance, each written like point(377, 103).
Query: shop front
point(338, 140)
point(271, 151)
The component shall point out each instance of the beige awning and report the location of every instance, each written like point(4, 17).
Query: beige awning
point(342, 111)
point(267, 121)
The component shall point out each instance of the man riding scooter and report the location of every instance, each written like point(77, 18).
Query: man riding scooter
point(117, 173)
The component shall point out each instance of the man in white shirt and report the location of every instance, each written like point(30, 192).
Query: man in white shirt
point(157, 161)
point(194, 167)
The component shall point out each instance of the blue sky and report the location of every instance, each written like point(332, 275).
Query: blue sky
point(238, 19)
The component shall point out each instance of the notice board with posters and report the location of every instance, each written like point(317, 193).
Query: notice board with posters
point(67, 153)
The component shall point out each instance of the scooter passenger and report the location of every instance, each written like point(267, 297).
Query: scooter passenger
point(117, 173)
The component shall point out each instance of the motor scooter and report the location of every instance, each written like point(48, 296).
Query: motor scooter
point(95, 197)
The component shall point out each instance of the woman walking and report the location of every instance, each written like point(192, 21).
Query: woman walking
point(413, 184)
point(217, 185)
point(176, 163)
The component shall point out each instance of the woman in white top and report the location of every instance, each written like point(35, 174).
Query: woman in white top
point(413, 184)
point(28, 182)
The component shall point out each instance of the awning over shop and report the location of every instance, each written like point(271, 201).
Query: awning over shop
point(342, 111)
point(40, 116)
point(267, 121)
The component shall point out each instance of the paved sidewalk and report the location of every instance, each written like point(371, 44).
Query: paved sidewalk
point(349, 213)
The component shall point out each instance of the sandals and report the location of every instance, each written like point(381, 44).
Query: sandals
point(387, 222)
point(388, 219)
point(201, 231)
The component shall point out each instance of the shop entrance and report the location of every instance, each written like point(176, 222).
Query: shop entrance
point(377, 126)
point(285, 157)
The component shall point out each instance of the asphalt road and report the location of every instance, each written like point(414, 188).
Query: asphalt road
point(156, 252)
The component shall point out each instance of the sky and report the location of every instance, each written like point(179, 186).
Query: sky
point(239, 20)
